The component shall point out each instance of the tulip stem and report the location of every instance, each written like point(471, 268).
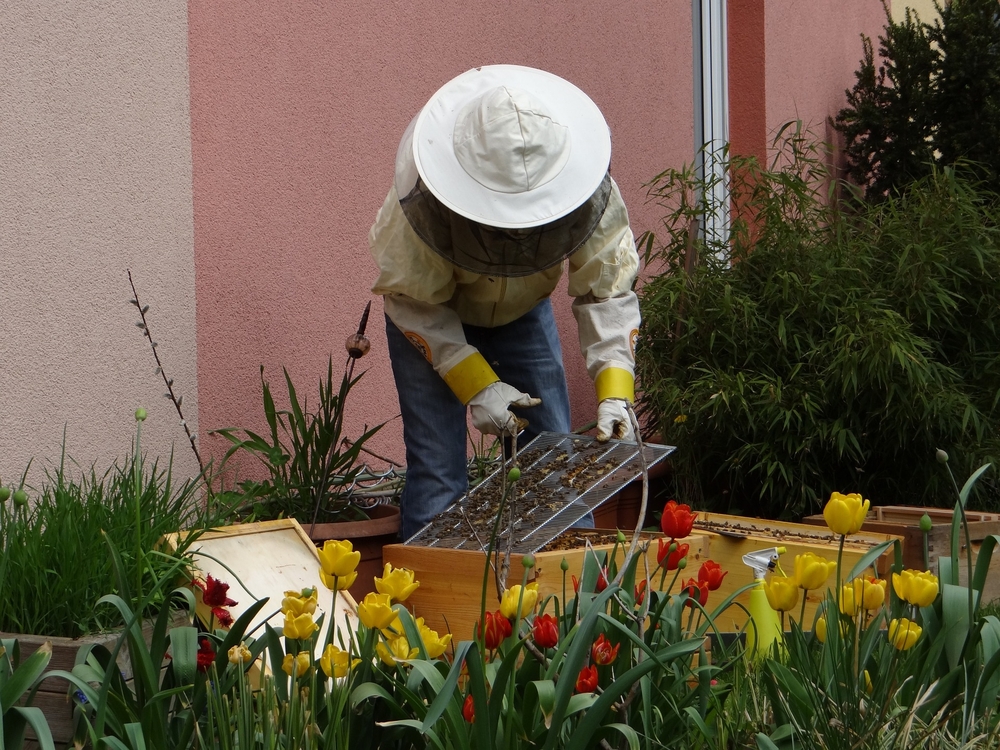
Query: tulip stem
point(840, 556)
point(802, 611)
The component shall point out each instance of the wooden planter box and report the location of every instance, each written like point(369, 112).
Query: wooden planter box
point(904, 521)
point(53, 695)
point(451, 581)
point(731, 537)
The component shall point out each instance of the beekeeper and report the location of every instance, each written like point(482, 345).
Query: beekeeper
point(501, 177)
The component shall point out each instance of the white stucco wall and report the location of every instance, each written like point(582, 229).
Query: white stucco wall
point(95, 178)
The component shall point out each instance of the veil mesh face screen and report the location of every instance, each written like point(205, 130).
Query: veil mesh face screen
point(492, 251)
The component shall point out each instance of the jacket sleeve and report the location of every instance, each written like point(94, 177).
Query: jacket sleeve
point(416, 284)
point(601, 274)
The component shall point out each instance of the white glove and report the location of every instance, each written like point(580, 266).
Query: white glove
point(613, 420)
point(490, 408)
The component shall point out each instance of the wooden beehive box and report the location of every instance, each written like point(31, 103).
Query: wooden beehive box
point(904, 521)
point(731, 537)
point(451, 581)
point(265, 559)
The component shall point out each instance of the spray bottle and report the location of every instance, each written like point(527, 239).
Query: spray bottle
point(766, 627)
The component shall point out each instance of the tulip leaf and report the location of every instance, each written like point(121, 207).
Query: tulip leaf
point(447, 692)
point(764, 742)
point(989, 679)
point(963, 495)
point(955, 615)
point(23, 676)
point(983, 561)
point(630, 735)
point(869, 558)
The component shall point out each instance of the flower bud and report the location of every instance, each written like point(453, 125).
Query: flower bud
point(941, 456)
point(4, 494)
point(926, 524)
point(357, 345)
point(621, 537)
point(564, 565)
point(140, 414)
point(20, 498)
point(514, 474)
point(528, 561)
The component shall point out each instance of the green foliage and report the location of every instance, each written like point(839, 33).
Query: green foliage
point(16, 682)
point(55, 564)
point(933, 99)
point(817, 349)
point(309, 461)
point(939, 690)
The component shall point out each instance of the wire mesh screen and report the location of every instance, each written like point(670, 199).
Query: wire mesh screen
point(563, 477)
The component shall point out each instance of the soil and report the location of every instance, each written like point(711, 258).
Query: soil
point(562, 477)
point(577, 538)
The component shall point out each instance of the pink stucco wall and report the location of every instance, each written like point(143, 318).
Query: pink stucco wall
point(812, 51)
point(297, 109)
point(243, 200)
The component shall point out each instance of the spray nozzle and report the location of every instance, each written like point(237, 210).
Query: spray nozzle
point(763, 560)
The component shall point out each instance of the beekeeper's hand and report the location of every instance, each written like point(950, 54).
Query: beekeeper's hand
point(613, 420)
point(490, 408)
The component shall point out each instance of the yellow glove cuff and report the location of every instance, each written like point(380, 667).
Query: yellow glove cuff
point(614, 382)
point(469, 377)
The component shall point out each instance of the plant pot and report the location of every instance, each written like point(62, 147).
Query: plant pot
point(368, 537)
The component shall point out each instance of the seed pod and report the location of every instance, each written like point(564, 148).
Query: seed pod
point(357, 345)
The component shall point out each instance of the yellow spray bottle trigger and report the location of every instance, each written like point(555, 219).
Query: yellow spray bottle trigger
point(764, 628)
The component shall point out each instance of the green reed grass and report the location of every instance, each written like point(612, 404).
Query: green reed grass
point(55, 561)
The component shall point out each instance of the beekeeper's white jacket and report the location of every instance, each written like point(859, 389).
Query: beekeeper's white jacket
point(429, 298)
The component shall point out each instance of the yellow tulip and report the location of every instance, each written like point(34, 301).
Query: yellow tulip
point(434, 644)
point(845, 514)
point(782, 593)
point(819, 630)
point(338, 563)
point(851, 599)
point(904, 633)
point(919, 588)
point(300, 602)
point(508, 604)
point(239, 654)
point(395, 648)
point(397, 583)
point(298, 665)
point(811, 571)
point(375, 611)
point(870, 592)
point(298, 627)
point(868, 683)
point(336, 663)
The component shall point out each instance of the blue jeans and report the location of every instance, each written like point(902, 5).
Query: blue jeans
point(524, 353)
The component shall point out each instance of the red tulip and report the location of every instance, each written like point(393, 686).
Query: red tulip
point(545, 631)
point(640, 592)
point(602, 652)
point(697, 591)
point(215, 595)
point(497, 629)
point(677, 520)
point(587, 681)
point(602, 582)
point(667, 559)
point(214, 592)
point(206, 655)
point(469, 709)
point(711, 574)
